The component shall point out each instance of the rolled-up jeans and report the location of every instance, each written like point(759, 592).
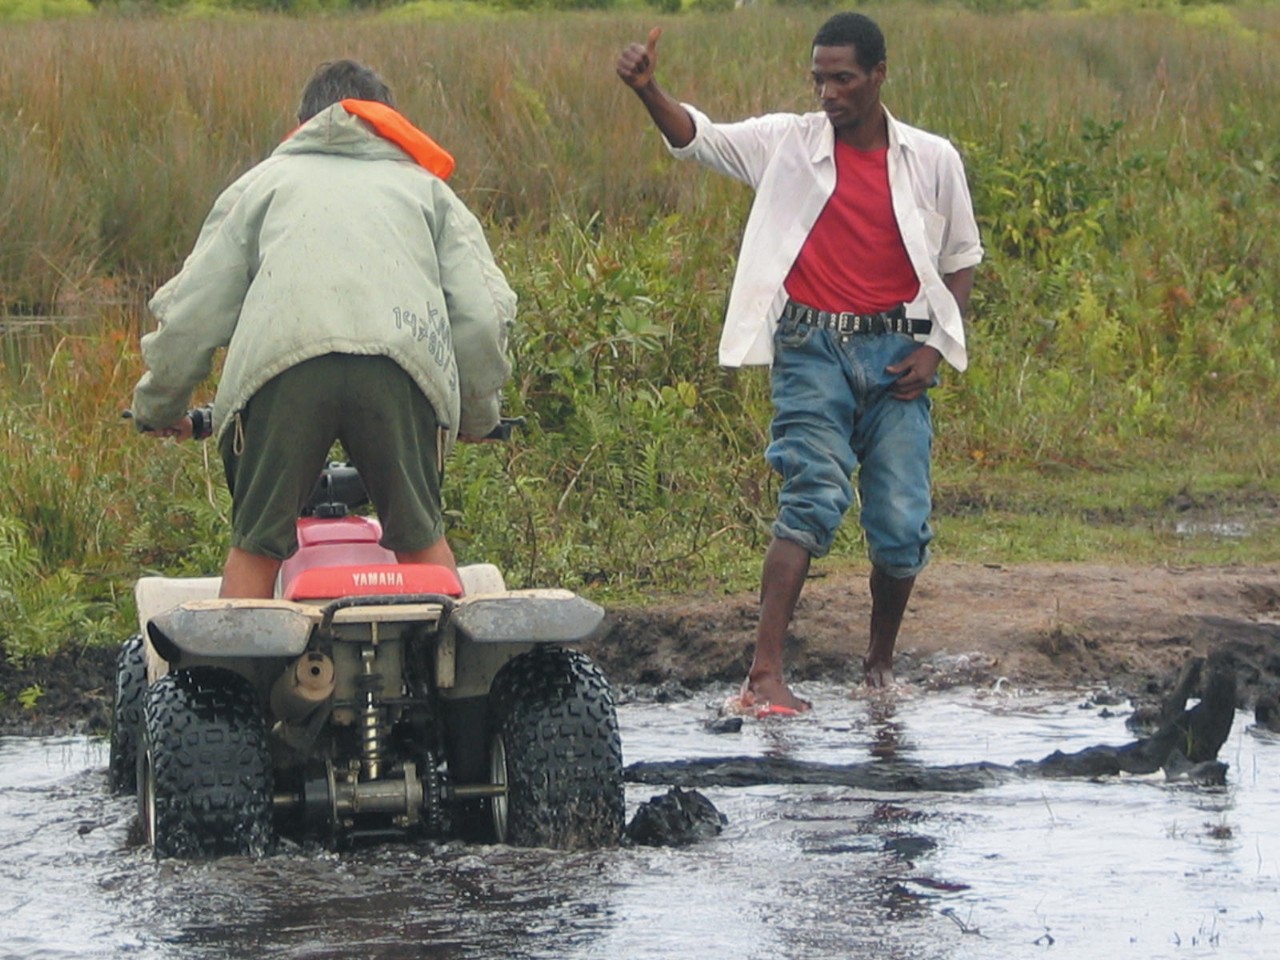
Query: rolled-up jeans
point(834, 415)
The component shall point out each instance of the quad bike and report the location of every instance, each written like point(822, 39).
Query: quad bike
point(372, 699)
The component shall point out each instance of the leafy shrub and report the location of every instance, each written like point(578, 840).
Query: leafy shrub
point(39, 611)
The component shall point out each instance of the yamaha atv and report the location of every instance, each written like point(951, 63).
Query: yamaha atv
point(371, 700)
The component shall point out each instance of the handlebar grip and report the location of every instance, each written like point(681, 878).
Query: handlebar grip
point(504, 428)
point(201, 421)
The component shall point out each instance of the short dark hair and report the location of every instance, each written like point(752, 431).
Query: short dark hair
point(857, 31)
point(337, 80)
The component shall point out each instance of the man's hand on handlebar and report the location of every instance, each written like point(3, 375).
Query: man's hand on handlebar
point(502, 432)
point(179, 430)
point(195, 424)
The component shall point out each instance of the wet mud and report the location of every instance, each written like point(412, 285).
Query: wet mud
point(1126, 631)
point(675, 819)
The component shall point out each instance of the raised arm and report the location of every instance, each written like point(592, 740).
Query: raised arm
point(636, 66)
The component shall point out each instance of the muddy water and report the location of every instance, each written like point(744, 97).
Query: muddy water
point(1125, 868)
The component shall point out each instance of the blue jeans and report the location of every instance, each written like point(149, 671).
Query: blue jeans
point(834, 415)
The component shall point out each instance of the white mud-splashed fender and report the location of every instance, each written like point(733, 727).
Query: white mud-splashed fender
point(156, 595)
point(487, 630)
point(528, 616)
point(223, 628)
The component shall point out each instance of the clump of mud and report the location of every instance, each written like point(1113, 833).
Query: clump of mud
point(675, 819)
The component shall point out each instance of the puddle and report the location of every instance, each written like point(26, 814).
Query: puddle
point(1133, 867)
point(1217, 529)
point(1228, 517)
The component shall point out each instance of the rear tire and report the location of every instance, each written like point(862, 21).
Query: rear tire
point(126, 715)
point(554, 739)
point(204, 773)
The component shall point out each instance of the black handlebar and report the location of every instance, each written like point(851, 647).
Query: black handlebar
point(201, 422)
point(504, 428)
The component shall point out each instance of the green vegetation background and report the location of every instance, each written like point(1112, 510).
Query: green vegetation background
point(1125, 164)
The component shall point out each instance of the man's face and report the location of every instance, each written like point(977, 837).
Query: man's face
point(850, 95)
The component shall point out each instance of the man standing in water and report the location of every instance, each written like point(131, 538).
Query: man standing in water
point(855, 271)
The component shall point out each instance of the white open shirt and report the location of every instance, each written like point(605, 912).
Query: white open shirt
point(789, 160)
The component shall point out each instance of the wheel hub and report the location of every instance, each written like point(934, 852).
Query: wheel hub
point(498, 777)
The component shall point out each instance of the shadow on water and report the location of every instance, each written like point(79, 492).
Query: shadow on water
point(1127, 867)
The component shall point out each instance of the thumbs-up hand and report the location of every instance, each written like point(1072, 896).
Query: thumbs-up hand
point(637, 63)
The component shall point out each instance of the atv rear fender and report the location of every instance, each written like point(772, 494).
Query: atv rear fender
point(233, 628)
point(487, 631)
point(522, 616)
point(186, 617)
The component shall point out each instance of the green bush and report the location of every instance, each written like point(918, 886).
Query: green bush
point(39, 611)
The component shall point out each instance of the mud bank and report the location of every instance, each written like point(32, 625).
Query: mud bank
point(1128, 631)
point(1050, 626)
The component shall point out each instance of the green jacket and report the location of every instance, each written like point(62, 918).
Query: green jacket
point(336, 243)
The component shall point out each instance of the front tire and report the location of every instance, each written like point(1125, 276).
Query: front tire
point(554, 741)
point(126, 715)
point(204, 773)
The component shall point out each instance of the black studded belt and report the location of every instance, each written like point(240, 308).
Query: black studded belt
point(847, 324)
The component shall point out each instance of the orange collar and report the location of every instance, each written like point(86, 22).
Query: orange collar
point(391, 125)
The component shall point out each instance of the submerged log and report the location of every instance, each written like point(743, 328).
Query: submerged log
point(873, 775)
point(1185, 746)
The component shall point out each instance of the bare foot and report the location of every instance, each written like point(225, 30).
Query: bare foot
point(878, 675)
point(770, 692)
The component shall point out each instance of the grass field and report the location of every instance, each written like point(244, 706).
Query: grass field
point(1126, 171)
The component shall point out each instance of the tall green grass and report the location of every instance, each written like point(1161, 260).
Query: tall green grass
point(1125, 167)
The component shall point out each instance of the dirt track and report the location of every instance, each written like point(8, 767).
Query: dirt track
point(1130, 629)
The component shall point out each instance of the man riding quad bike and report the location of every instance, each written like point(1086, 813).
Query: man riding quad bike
point(373, 699)
point(343, 677)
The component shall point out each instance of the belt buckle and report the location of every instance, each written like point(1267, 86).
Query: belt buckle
point(846, 323)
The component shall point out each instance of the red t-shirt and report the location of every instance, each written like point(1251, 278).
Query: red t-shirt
point(854, 259)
